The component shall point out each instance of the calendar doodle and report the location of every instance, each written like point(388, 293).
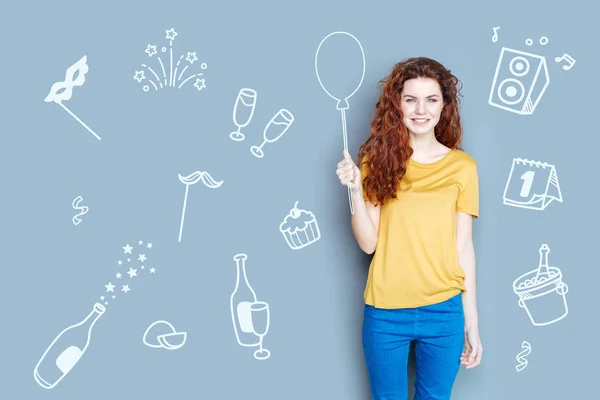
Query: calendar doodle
point(531, 184)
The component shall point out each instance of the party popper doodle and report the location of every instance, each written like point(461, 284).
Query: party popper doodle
point(66, 89)
point(174, 77)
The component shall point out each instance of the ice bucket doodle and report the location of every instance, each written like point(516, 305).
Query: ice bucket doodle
point(542, 292)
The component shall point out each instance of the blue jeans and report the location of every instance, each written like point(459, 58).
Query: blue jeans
point(438, 332)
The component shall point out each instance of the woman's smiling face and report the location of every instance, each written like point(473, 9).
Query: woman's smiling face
point(421, 105)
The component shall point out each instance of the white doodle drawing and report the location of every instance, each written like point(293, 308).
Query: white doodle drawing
point(570, 61)
point(532, 185)
point(342, 99)
point(275, 128)
point(495, 37)
point(192, 179)
point(173, 77)
point(250, 317)
point(522, 361)
point(66, 350)
point(243, 110)
point(300, 228)
point(131, 273)
point(520, 80)
point(172, 340)
point(542, 293)
point(80, 68)
point(82, 210)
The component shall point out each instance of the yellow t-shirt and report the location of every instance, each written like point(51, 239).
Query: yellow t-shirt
point(416, 259)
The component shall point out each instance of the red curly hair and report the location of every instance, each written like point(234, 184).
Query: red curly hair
point(387, 149)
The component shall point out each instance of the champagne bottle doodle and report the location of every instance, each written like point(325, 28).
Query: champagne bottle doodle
point(522, 361)
point(66, 350)
point(242, 298)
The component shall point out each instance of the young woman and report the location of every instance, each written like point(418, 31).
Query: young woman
point(415, 195)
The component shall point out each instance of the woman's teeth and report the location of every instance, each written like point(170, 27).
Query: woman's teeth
point(420, 120)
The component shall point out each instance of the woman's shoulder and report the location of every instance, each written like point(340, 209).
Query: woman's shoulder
point(461, 156)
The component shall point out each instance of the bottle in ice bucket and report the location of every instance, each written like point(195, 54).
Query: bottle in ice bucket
point(542, 292)
point(66, 350)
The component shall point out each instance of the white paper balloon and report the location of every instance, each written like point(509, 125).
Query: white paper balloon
point(341, 57)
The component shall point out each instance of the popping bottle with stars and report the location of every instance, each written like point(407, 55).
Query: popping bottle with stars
point(66, 350)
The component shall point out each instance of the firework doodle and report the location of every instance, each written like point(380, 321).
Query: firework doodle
point(171, 76)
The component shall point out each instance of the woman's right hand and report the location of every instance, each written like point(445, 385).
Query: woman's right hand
point(349, 173)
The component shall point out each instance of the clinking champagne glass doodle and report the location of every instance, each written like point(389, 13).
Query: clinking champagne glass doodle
point(243, 111)
point(277, 126)
point(352, 87)
point(260, 318)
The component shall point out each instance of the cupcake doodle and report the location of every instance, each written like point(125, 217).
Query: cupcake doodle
point(300, 228)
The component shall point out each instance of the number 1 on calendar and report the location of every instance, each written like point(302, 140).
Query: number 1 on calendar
point(532, 185)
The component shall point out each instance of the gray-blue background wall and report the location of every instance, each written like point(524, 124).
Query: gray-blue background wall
point(55, 267)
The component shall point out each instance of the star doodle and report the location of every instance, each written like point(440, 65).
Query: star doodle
point(119, 262)
point(101, 297)
point(142, 257)
point(149, 245)
point(171, 34)
point(152, 270)
point(200, 83)
point(119, 275)
point(191, 57)
point(139, 76)
point(132, 272)
point(110, 287)
point(125, 288)
point(140, 242)
point(127, 249)
point(151, 50)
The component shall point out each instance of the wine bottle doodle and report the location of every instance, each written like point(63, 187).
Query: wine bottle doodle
point(66, 350)
point(250, 317)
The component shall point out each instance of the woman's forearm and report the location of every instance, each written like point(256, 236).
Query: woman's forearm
point(466, 259)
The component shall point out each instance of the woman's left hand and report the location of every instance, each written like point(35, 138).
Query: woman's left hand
point(471, 356)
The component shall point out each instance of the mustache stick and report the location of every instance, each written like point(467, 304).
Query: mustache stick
point(192, 179)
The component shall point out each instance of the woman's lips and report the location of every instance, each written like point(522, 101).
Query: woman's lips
point(419, 121)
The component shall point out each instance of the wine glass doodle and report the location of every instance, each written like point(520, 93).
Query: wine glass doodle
point(260, 318)
point(243, 110)
point(275, 128)
point(341, 94)
point(192, 179)
point(172, 79)
point(80, 68)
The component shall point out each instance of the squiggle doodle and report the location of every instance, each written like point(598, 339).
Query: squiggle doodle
point(82, 209)
point(521, 356)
